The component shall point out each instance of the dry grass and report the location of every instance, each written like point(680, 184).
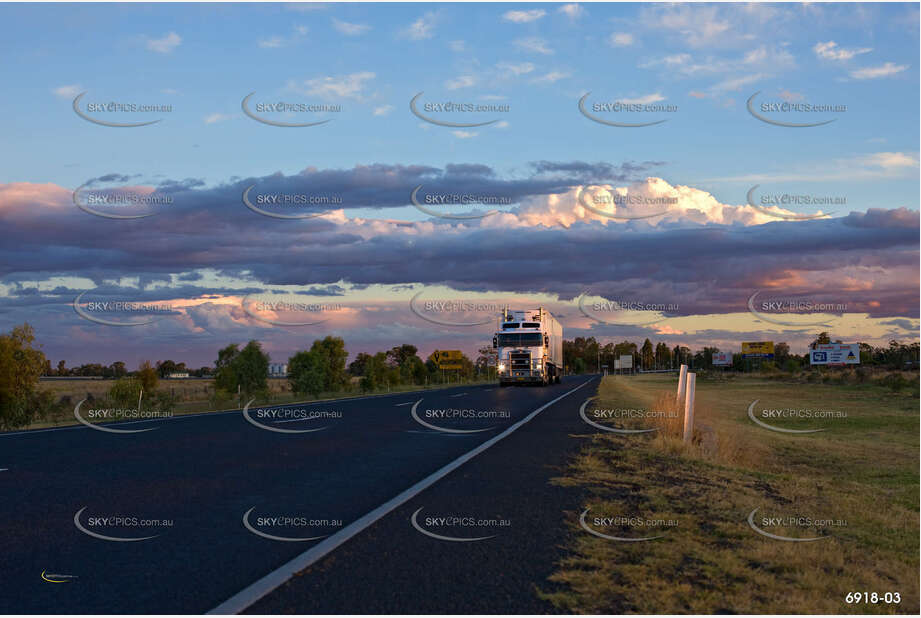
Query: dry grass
point(862, 472)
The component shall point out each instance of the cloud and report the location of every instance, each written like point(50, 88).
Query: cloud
point(383, 110)
point(885, 70)
point(165, 45)
point(463, 81)
point(272, 42)
point(550, 78)
point(277, 41)
point(457, 46)
point(524, 17)
point(68, 92)
point(522, 68)
point(878, 165)
point(350, 29)
point(830, 51)
point(620, 39)
point(643, 100)
point(868, 260)
point(422, 28)
point(212, 118)
point(572, 11)
point(534, 44)
point(349, 86)
point(464, 134)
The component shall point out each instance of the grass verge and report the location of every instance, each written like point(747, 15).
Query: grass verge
point(854, 486)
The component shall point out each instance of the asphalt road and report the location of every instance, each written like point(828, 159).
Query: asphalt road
point(184, 487)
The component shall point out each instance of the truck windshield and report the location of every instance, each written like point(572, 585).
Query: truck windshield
point(508, 340)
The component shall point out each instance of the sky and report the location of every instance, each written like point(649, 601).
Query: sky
point(711, 224)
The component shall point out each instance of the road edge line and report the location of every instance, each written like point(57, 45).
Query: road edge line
point(266, 584)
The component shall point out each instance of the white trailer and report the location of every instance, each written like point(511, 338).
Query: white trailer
point(529, 347)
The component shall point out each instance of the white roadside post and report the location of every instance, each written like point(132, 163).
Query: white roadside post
point(682, 381)
point(689, 407)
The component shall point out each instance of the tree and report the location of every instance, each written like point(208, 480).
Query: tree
point(781, 353)
point(147, 376)
point(62, 368)
point(331, 355)
point(21, 365)
point(358, 366)
point(118, 369)
point(225, 379)
point(821, 339)
point(251, 368)
point(305, 373)
point(647, 355)
point(165, 368)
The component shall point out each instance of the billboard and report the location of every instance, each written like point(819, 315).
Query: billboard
point(835, 354)
point(758, 349)
point(722, 358)
point(626, 361)
point(448, 359)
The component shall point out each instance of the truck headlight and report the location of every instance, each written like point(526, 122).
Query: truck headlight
point(537, 366)
point(501, 366)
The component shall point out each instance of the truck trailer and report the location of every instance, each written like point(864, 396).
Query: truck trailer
point(529, 347)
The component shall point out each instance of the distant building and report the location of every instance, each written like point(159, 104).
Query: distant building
point(178, 374)
point(278, 370)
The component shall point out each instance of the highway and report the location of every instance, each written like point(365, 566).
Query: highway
point(153, 522)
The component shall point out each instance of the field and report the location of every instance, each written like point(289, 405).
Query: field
point(853, 487)
point(191, 395)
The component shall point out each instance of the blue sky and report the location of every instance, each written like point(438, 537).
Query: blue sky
point(539, 60)
point(539, 65)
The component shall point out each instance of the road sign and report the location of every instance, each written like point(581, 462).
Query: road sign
point(448, 359)
point(758, 349)
point(835, 354)
point(722, 359)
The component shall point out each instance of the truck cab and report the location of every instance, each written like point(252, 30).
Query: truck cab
point(528, 348)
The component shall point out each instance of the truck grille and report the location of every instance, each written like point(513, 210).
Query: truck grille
point(520, 360)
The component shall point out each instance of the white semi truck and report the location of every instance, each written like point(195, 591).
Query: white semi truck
point(529, 347)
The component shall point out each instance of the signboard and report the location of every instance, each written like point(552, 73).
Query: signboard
point(626, 361)
point(722, 358)
point(758, 349)
point(835, 354)
point(448, 359)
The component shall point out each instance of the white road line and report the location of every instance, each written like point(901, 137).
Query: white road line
point(458, 395)
point(407, 403)
point(258, 589)
point(3, 469)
